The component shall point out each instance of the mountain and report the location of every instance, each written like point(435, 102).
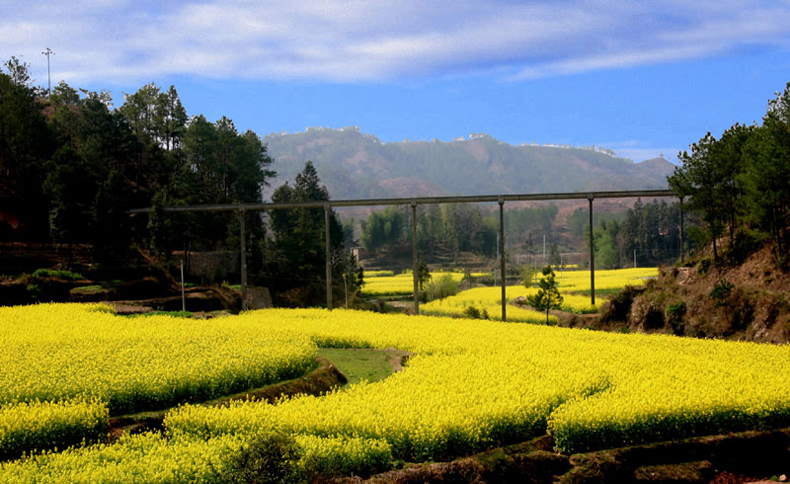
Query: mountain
point(355, 165)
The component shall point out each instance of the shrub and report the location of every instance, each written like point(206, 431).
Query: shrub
point(33, 291)
point(674, 314)
point(56, 273)
point(721, 291)
point(528, 273)
point(474, 313)
point(441, 287)
point(269, 457)
point(618, 308)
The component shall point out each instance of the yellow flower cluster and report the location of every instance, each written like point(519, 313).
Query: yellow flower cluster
point(572, 284)
point(487, 298)
point(342, 456)
point(475, 383)
point(101, 363)
point(471, 385)
point(579, 281)
point(63, 350)
point(151, 457)
point(381, 273)
point(400, 284)
point(36, 425)
point(140, 458)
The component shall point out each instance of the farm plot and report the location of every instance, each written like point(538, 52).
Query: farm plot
point(471, 385)
point(486, 299)
point(85, 364)
point(385, 283)
point(574, 286)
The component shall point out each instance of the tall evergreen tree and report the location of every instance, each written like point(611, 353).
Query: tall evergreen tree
point(768, 172)
point(297, 263)
point(698, 178)
point(26, 142)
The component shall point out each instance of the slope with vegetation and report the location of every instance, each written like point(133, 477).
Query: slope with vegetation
point(737, 285)
point(73, 166)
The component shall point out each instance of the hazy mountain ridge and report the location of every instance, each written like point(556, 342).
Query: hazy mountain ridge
point(355, 165)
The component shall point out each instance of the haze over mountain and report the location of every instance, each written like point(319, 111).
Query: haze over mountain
point(356, 165)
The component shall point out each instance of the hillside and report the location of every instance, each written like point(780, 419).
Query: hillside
point(746, 298)
point(356, 165)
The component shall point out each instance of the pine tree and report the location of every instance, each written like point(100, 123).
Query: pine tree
point(548, 296)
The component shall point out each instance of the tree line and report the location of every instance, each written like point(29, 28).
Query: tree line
point(649, 231)
point(738, 183)
point(454, 228)
point(72, 166)
point(646, 235)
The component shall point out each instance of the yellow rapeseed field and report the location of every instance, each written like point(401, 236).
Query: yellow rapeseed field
point(574, 286)
point(53, 351)
point(471, 385)
point(579, 281)
point(383, 284)
point(67, 367)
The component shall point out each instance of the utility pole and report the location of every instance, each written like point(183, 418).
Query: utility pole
point(48, 53)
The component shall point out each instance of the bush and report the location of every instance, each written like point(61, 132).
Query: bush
point(474, 313)
point(528, 274)
point(33, 291)
point(618, 308)
point(674, 314)
point(269, 457)
point(441, 287)
point(721, 292)
point(56, 274)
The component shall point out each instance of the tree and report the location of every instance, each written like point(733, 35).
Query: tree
point(251, 169)
point(606, 255)
point(730, 163)
point(740, 180)
point(18, 72)
point(155, 117)
point(70, 191)
point(555, 258)
point(174, 119)
point(429, 227)
point(423, 275)
point(384, 228)
point(26, 142)
point(297, 259)
point(767, 173)
point(528, 272)
point(548, 296)
point(697, 178)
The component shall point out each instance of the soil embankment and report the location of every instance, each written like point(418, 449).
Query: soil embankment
point(745, 298)
point(322, 379)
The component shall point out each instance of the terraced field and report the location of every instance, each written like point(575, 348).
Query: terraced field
point(471, 385)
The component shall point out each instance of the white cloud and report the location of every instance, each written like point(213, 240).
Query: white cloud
point(355, 40)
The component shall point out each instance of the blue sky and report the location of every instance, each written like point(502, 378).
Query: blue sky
point(641, 78)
